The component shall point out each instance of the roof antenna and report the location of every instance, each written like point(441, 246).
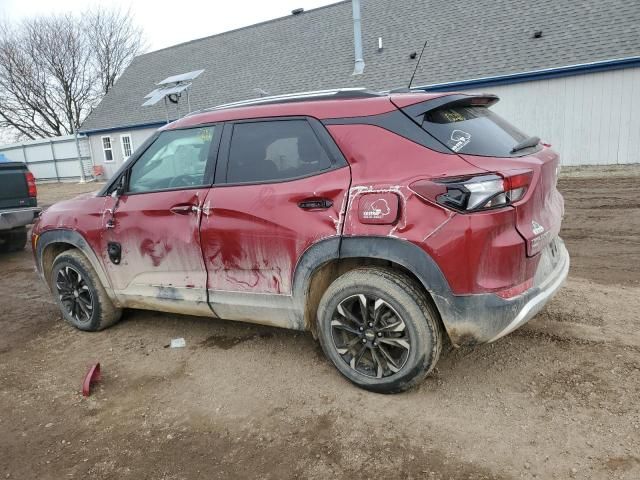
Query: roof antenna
point(417, 64)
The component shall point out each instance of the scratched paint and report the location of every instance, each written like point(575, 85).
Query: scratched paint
point(242, 265)
point(160, 248)
point(255, 234)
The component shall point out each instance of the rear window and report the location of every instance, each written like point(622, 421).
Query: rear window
point(474, 130)
point(274, 151)
point(12, 183)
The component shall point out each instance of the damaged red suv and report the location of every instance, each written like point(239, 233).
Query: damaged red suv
point(380, 223)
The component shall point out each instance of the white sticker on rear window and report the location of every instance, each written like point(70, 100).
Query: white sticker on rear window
point(459, 139)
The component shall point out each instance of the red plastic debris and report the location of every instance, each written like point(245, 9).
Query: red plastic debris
point(92, 376)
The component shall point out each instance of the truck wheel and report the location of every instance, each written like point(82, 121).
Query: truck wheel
point(14, 240)
point(79, 293)
point(379, 329)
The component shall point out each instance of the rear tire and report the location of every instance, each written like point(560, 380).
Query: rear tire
point(379, 329)
point(14, 240)
point(77, 289)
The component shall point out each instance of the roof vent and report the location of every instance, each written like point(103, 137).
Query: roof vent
point(297, 11)
point(537, 34)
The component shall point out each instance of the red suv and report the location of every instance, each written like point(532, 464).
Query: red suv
point(378, 222)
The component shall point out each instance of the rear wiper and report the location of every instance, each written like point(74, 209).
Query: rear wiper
point(527, 143)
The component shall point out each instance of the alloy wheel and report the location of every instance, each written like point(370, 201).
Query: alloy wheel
point(370, 336)
point(74, 294)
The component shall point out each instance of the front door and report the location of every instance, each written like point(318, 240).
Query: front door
point(151, 242)
point(280, 187)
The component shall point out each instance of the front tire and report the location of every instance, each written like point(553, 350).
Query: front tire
point(379, 329)
point(82, 299)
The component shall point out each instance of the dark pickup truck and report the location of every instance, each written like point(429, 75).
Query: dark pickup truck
point(18, 205)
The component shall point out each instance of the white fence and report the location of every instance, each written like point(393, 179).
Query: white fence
point(59, 158)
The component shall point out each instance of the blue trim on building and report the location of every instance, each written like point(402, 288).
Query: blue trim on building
point(534, 75)
point(124, 127)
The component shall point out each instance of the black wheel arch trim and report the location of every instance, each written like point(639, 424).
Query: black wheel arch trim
point(76, 240)
point(314, 257)
point(402, 252)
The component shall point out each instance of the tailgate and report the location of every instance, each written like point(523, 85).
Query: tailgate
point(14, 192)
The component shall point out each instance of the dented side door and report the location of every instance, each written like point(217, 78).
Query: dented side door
point(157, 234)
point(257, 230)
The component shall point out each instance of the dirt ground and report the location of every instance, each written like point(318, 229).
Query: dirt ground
point(556, 399)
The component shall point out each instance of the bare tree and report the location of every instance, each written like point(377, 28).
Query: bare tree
point(115, 40)
point(54, 70)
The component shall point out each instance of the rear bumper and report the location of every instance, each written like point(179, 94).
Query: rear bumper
point(19, 217)
point(473, 319)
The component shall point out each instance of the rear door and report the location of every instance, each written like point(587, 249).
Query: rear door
point(280, 187)
point(154, 225)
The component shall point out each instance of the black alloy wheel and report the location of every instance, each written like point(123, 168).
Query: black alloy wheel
point(370, 336)
point(379, 328)
point(75, 295)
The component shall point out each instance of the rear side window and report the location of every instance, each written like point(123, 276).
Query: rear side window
point(474, 130)
point(177, 159)
point(274, 151)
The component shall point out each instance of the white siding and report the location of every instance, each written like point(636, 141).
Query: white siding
point(589, 119)
point(138, 137)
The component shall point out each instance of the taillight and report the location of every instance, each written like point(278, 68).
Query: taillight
point(472, 194)
point(517, 184)
point(31, 184)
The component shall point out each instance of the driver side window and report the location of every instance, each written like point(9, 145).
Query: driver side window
point(177, 159)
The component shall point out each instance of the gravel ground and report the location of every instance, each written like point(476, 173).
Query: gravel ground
point(556, 399)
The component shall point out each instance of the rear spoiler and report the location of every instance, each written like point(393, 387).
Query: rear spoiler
point(417, 110)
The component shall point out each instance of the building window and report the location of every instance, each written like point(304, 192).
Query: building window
point(127, 146)
point(107, 149)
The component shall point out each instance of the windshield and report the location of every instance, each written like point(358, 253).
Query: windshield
point(475, 130)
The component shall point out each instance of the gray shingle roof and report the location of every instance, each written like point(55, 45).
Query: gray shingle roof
point(314, 50)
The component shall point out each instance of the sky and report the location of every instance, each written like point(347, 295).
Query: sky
point(164, 25)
